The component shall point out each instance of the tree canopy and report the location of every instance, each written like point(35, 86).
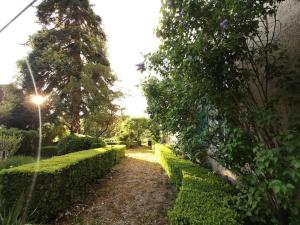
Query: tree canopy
point(69, 62)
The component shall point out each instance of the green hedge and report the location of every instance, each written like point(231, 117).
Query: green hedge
point(98, 145)
point(129, 144)
point(61, 180)
point(15, 161)
point(49, 151)
point(203, 198)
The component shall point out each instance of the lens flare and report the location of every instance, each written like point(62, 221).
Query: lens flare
point(38, 99)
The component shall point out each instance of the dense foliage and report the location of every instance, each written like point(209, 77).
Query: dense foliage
point(9, 144)
point(53, 132)
point(175, 107)
point(227, 83)
point(69, 63)
point(101, 123)
point(16, 109)
point(29, 140)
point(61, 180)
point(132, 129)
point(203, 197)
point(74, 143)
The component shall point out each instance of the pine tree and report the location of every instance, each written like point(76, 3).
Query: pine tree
point(69, 61)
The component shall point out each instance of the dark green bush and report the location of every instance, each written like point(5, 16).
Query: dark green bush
point(15, 161)
point(203, 198)
point(29, 143)
point(74, 143)
point(49, 151)
point(98, 145)
point(12, 216)
point(61, 180)
point(131, 144)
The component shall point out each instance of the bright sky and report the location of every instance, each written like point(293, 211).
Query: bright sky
point(129, 26)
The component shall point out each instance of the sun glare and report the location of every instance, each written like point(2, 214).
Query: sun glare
point(38, 99)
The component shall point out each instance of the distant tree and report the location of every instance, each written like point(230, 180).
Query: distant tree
point(132, 129)
point(69, 61)
point(101, 123)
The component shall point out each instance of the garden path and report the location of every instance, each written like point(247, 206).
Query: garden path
point(135, 192)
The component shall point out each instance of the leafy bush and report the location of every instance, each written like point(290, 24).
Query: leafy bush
point(203, 197)
point(74, 143)
point(29, 143)
point(9, 144)
point(49, 151)
point(15, 161)
point(271, 192)
point(53, 132)
point(61, 180)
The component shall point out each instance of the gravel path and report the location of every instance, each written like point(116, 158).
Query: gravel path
point(135, 192)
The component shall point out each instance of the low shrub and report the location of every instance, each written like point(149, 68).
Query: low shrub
point(74, 143)
point(61, 180)
point(15, 161)
point(29, 143)
point(49, 151)
point(203, 198)
point(98, 145)
point(131, 144)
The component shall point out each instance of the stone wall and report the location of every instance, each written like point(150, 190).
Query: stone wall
point(289, 34)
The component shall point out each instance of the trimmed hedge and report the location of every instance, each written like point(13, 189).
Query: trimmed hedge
point(98, 145)
point(203, 198)
point(15, 161)
point(61, 180)
point(49, 151)
point(129, 144)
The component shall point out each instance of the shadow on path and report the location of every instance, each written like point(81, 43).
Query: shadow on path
point(135, 192)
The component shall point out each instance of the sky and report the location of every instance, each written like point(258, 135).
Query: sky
point(129, 26)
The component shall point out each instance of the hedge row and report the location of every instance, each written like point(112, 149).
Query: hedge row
point(49, 151)
point(203, 198)
point(129, 144)
point(61, 180)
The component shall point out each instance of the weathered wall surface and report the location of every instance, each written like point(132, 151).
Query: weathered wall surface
point(289, 37)
point(289, 34)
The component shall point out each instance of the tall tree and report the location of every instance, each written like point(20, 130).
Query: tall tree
point(69, 61)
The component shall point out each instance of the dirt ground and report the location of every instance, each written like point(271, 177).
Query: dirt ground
point(135, 192)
